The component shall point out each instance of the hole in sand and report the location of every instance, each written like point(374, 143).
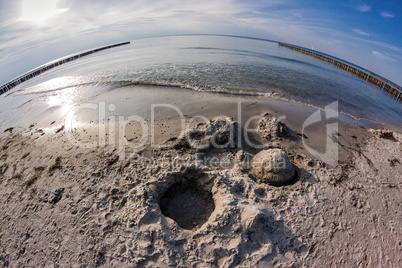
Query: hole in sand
point(188, 203)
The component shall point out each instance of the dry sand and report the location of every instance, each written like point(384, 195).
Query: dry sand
point(64, 206)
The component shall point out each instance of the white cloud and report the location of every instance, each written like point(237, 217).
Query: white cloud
point(358, 31)
point(382, 56)
point(40, 10)
point(387, 46)
point(363, 7)
point(387, 15)
point(298, 15)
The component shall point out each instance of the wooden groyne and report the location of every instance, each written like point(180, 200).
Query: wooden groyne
point(37, 71)
point(370, 77)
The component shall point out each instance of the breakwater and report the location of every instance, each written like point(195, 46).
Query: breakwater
point(37, 71)
point(368, 76)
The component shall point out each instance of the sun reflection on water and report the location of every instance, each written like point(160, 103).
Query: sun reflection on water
point(63, 100)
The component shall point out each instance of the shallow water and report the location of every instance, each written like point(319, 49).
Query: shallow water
point(203, 63)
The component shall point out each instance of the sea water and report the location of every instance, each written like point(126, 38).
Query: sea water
point(221, 64)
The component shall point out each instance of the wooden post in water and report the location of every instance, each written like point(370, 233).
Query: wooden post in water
point(371, 78)
point(6, 87)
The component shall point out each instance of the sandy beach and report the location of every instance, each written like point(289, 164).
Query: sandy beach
point(121, 205)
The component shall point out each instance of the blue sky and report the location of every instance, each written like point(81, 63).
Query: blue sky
point(367, 33)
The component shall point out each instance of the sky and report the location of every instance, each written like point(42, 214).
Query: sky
point(366, 33)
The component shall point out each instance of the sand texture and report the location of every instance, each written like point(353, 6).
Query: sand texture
point(64, 206)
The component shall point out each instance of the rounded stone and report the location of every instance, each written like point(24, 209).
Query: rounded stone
point(272, 166)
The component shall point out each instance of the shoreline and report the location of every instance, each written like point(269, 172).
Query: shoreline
point(275, 105)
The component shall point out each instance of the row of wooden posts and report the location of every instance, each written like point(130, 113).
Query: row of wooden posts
point(6, 87)
point(370, 77)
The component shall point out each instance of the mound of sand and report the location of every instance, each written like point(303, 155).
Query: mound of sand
point(272, 166)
